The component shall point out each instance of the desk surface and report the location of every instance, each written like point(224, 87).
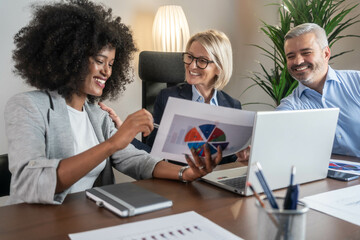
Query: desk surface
point(229, 210)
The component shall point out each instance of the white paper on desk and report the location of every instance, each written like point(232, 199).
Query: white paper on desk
point(183, 226)
point(344, 166)
point(187, 124)
point(343, 203)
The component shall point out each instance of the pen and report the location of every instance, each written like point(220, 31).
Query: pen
point(292, 192)
point(265, 186)
point(293, 170)
point(156, 125)
point(262, 204)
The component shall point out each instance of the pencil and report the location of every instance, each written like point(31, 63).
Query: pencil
point(262, 204)
point(255, 194)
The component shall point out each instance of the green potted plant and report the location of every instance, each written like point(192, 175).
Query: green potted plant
point(329, 14)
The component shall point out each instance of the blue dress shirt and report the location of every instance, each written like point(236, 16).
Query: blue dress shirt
point(341, 90)
point(197, 97)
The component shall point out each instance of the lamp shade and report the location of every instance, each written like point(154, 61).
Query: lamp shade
point(170, 29)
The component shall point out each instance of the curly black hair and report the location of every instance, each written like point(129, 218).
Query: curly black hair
point(52, 51)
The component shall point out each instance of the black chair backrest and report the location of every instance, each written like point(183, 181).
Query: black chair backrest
point(5, 175)
point(159, 70)
point(165, 67)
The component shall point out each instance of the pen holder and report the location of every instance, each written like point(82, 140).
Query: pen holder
point(280, 223)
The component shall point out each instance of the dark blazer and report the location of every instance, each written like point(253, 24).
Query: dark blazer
point(184, 91)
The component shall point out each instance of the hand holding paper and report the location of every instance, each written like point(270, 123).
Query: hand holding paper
point(186, 124)
point(201, 166)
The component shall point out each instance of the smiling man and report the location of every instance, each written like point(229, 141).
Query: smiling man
point(320, 86)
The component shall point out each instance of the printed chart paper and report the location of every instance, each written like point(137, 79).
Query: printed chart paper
point(342, 203)
point(186, 124)
point(183, 226)
point(344, 166)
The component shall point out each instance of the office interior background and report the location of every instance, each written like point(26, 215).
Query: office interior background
point(239, 19)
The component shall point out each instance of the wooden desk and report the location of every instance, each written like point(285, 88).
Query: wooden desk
point(229, 210)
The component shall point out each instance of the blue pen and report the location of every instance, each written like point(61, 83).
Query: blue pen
point(265, 186)
point(293, 170)
point(292, 193)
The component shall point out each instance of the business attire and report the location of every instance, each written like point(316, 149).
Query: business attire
point(341, 90)
point(39, 135)
point(140, 145)
point(186, 91)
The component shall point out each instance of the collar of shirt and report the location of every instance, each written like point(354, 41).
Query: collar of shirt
point(330, 76)
point(197, 97)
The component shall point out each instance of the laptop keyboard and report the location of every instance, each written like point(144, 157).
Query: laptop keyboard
point(238, 182)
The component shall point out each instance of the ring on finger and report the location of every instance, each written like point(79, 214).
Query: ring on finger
point(201, 167)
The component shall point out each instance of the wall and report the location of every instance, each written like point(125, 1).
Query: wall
point(238, 19)
point(246, 57)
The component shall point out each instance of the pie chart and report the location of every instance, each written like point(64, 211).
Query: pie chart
point(198, 137)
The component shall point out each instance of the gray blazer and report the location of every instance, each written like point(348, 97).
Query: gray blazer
point(39, 136)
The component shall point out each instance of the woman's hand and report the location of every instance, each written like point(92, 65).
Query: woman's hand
point(201, 166)
point(140, 121)
point(243, 155)
point(112, 114)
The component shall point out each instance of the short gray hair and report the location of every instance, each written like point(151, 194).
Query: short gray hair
point(304, 28)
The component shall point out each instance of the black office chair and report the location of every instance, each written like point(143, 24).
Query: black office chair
point(159, 70)
point(5, 175)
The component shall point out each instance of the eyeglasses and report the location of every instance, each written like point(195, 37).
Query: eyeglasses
point(201, 62)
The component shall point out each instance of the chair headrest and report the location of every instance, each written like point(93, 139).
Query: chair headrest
point(5, 175)
point(166, 67)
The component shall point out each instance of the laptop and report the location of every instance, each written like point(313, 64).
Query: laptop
point(280, 140)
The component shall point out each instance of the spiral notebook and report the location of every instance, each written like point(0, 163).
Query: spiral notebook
point(127, 199)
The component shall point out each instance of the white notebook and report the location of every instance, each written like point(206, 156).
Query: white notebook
point(127, 199)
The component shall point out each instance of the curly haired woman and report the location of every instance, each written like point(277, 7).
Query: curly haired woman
point(76, 53)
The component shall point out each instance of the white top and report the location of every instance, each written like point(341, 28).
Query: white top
point(197, 97)
point(84, 139)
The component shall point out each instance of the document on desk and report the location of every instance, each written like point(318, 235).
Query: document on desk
point(186, 124)
point(345, 166)
point(183, 226)
point(342, 203)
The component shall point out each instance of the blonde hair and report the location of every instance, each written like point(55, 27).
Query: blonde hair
point(218, 46)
